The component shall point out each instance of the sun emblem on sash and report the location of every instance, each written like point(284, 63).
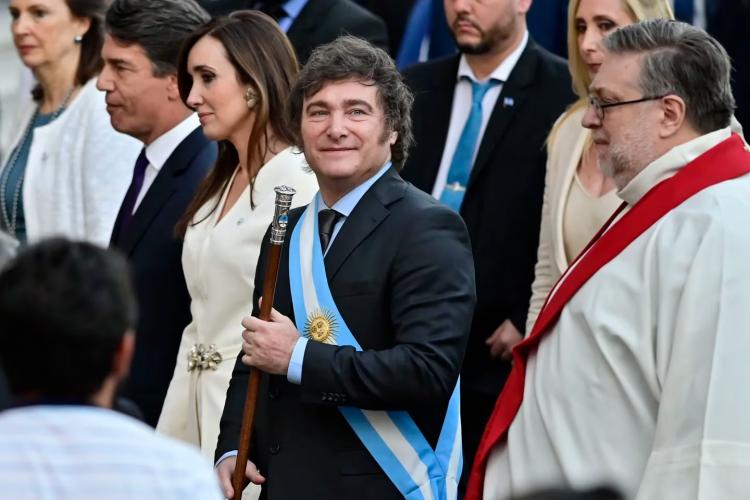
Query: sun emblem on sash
point(321, 326)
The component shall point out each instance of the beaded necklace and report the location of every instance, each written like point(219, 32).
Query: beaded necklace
point(11, 219)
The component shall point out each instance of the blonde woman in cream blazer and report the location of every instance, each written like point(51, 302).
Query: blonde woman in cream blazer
point(219, 264)
point(575, 206)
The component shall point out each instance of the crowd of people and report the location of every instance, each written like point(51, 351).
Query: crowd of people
point(505, 275)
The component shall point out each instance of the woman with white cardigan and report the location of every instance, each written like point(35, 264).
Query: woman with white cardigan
point(65, 170)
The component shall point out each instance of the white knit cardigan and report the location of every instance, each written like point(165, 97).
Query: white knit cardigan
point(77, 172)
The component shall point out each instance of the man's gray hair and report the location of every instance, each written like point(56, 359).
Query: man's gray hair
point(350, 57)
point(158, 26)
point(681, 60)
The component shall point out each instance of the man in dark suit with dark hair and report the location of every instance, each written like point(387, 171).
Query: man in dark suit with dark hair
point(309, 23)
point(480, 122)
point(140, 78)
point(372, 340)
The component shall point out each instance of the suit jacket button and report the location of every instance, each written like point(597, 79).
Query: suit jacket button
point(274, 449)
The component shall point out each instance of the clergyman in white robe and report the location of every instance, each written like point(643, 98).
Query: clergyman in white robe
point(642, 382)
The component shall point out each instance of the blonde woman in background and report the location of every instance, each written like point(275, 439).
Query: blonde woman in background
point(578, 198)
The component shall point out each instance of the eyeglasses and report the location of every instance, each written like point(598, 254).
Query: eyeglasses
point(599, 107)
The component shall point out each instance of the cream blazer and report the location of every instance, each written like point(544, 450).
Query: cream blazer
point(219, 263)
point(563, 156)
point(78, 170)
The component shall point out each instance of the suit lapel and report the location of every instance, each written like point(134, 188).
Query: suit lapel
point(367, 215)
point(160, 191)
point(440, 106)
point(509, 102)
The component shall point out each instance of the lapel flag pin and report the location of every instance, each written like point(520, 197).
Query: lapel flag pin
point(508, 102)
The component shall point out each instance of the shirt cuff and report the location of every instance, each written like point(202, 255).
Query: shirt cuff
point(294, 372)
point(228, 454)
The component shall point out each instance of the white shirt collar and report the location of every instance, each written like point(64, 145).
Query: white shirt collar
point(159, 151)
point(669, 163)
point(502, 72)
point(346, 204)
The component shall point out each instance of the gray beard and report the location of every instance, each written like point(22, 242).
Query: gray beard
point(625, 162)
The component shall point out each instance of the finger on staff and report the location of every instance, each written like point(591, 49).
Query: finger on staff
point(248, 345)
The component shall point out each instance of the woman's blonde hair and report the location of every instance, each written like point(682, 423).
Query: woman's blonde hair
point(640, 10)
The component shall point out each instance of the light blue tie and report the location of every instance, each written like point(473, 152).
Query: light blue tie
point(458, 174)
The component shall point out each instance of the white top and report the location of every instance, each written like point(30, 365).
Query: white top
point(583, 216)
point(219, 262)
point(637, 383)
point(159, 151)
point(82, 452)
point(462, 107)
point(78, 171)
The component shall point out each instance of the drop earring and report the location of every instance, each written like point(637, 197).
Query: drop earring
point(250, 98)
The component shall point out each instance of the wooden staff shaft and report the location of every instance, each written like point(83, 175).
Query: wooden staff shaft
point(284, 196)
point(251, 397)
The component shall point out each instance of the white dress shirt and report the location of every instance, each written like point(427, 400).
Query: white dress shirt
point(69, 452)
point(159, 151)
point(462, 107)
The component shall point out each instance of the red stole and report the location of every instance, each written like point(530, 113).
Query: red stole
point(727, 160)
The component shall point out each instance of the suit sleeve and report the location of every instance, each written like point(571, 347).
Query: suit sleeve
point(432, 296)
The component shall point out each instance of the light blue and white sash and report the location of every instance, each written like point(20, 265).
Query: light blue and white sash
point(392, 437)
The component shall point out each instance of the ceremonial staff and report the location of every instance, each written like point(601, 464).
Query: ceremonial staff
point(283, 202)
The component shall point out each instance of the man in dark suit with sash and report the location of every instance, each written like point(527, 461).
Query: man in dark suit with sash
point(361, 356)
point(481, 119)
point(140, 78)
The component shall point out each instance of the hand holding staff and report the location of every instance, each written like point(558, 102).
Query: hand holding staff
point(283, 202)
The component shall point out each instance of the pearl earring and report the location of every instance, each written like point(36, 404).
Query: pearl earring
point(251, 98)
point(78, 38)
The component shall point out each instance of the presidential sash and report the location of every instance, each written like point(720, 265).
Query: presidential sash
point(391, 437)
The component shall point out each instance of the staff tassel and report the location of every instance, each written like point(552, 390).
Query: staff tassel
point(283, 203)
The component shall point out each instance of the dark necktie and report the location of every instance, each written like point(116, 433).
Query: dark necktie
point(128, 204)
point(326, 221)
point(273, 9)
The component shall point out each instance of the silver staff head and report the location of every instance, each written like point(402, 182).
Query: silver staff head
point(284, 196)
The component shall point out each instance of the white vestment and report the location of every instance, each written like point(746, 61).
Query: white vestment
point(640, 383)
